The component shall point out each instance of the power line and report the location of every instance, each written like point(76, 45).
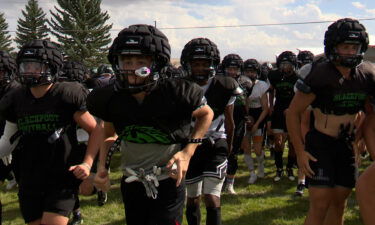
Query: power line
point(255, 25)
point(228, 26)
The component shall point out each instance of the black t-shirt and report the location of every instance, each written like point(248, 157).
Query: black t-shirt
point(11, 86)
point(219, 92)
point(239, 111)
point(42, 164)
point(163, 117)
point(284, 87)
point(336, 95)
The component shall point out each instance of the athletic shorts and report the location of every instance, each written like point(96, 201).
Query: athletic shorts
point(209, 160)
point(166, 209)
point(239, 133)
point(4, 171)
point(278, 122)
point(336, 163)
point(33, 204)
point(255, 113)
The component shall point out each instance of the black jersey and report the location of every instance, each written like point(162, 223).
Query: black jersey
point(339, 96)
point(239, 111)
point(163, 117)
point(219, 92)
point(9, 87)
point(43, 162)
point(284, 87)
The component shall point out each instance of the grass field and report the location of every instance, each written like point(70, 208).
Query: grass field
point(264, 203)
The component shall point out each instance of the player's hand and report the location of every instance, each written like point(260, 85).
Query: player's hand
point(101, 180)
point(181, 159)
point(303, 160)
point(81, 171)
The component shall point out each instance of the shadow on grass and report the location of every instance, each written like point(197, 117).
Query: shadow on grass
point(271, 215)
point(9, 215)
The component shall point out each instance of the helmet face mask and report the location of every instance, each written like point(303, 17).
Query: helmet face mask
point(252, 69)
point(134, 72)
point(286, 63)
point(286, 67)
point(345, 31)
point(304, 57)
point(348, 54)
point(142, 41)
point(233, 65)
point(40, 63)
point(251, 73)
point(34, 73)
point(200, 58)
point(201, 69)
point(233, 71)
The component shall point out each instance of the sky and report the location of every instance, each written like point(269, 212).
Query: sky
point(260, 42)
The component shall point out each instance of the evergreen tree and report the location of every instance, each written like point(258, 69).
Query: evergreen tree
point(33, 26)
point(80, 28)
point(5, 40)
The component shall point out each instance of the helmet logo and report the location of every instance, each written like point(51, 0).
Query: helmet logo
point(353, 35)
point(29, 52)
point(199, 49)
point(132, 41)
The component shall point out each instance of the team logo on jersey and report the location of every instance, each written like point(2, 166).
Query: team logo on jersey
point(144, 134)
point(349, 100)
point(38, 123)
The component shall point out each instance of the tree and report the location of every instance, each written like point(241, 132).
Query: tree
point(33, 26)
point(5, 40)
point(80, 27)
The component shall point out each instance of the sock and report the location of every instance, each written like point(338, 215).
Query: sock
point(279, 159)
point(213, 216)
point(291, 161)
point(229, 181)
point(301, 181)
point(249, 161)
point(260, 158)
point(193, 214)
point(76, 204)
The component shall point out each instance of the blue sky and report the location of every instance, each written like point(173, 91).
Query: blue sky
point(262, 43)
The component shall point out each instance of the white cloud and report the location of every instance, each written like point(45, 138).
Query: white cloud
point(358, 5)
point(261, 42)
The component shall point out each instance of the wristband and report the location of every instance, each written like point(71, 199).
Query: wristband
point(86, 165)
point(195, 140)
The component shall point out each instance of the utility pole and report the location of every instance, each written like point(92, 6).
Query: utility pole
point(155, 23)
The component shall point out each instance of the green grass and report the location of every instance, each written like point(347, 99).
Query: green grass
point(264, 203)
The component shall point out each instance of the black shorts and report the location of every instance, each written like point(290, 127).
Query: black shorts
point(4, 171)
point(33, 204)
point(278, 120)
point(255, 113)
point(209, 160)
point(166, 209)
point(335, 165)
